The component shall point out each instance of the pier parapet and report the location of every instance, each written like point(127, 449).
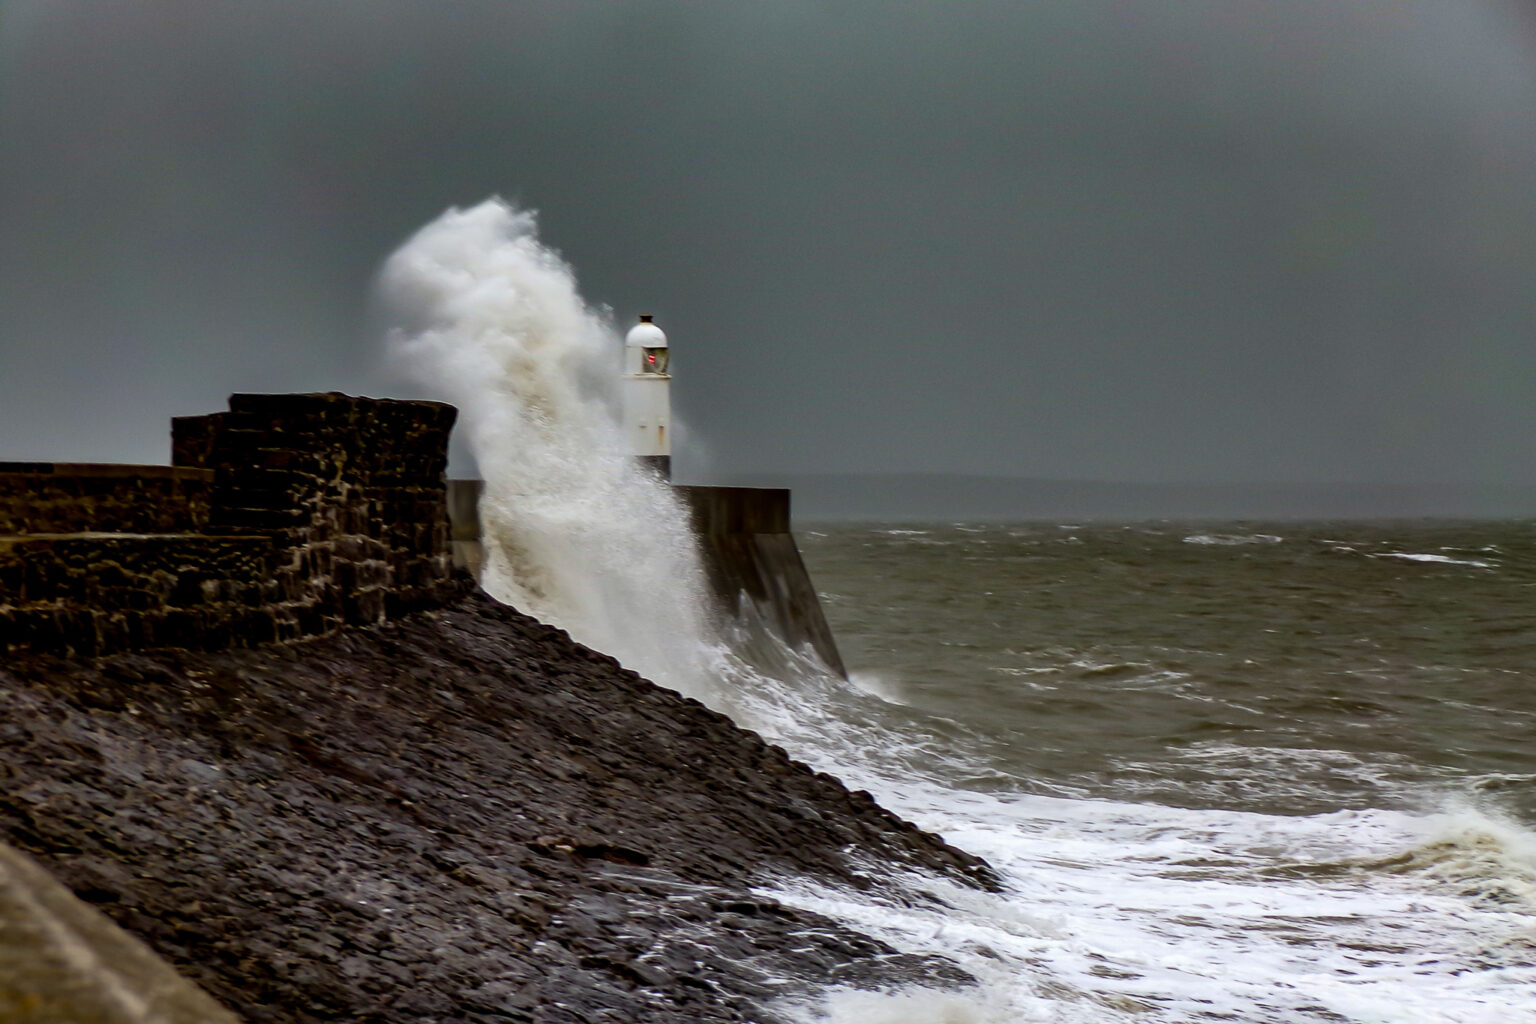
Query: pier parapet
point(287, 516)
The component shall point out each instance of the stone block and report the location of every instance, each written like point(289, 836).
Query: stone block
point(12, 575)
point(192, 438)
point(365, 607)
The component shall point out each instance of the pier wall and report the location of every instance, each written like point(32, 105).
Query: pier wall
point(754, 566)
point(293, 515)
point(287, 516)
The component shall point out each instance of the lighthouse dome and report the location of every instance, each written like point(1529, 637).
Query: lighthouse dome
point(645, 334)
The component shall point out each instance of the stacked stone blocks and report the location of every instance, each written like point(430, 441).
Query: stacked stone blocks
point(287, 516)
point(61, 497)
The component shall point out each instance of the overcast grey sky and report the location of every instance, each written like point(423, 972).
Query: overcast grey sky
point(1161, 240)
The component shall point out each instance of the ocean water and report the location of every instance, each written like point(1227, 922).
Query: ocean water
point(1231, 772)
point(1271, 774)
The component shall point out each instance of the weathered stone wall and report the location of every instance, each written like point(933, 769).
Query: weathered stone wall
point(288, 516)
point(355, 485)
point(63, 497)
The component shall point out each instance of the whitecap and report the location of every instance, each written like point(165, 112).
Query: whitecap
point(877, 685)
point(1437, 559)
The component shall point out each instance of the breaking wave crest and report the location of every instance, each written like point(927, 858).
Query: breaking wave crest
point(575, 532)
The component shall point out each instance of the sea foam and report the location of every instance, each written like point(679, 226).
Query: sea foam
point(1111, 911)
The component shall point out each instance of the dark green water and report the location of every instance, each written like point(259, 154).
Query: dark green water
point(1285, 668)
point(1272, 773)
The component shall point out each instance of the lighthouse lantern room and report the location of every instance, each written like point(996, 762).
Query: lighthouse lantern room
point(646, 400)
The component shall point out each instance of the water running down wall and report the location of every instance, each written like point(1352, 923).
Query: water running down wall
point(753, 564)
point(572, 528)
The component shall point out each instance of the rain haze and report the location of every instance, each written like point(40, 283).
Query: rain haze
point(1188, 248)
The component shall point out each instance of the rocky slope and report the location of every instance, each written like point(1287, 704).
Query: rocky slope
point(460, 816)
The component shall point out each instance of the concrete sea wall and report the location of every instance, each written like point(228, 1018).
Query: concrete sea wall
point(754, 566)
point(63, 961)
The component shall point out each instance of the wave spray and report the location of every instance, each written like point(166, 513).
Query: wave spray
point(575, 532)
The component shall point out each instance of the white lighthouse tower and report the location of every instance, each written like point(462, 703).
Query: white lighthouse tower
point(646, 395)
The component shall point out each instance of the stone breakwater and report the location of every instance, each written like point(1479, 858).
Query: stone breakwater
point(252, 713)
point(460, 815)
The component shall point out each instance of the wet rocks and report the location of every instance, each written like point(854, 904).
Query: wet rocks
point(461, 815)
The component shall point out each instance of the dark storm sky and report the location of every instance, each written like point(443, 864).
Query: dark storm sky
point(1163, 240)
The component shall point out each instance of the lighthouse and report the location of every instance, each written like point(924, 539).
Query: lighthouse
point(647, 402)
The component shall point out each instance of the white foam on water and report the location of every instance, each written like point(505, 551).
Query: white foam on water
point(1232, 539)
point(1110, 911)
point(1440, 559)
point(1141, 912)
point(1215, 772)
point(1122, 912)
point(877, 685)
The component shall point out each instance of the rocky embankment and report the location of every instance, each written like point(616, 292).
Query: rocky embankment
point(459, 816)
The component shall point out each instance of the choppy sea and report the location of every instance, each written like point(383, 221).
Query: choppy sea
point(1279, 773)
point(1264, 773)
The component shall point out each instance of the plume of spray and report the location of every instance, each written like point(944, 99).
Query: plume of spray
point(575, 531)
